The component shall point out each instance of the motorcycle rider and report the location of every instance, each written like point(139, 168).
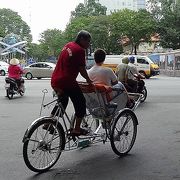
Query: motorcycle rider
point(121, 72)
point(134, 78)
point(15, 72)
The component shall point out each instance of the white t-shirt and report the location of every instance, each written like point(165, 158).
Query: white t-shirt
point(102, 75)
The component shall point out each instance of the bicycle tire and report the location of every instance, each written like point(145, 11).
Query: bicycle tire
point(119, 136)
point(43, 147)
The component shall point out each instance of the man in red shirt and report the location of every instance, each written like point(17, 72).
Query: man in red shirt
point(70, 63)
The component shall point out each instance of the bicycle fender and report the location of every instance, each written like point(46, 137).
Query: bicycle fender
point(30, 127)
point(127, 109)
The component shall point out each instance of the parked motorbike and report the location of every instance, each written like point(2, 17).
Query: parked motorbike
point(12, 88)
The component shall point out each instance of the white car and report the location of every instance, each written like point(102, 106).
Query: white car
point(3, 68)
point(39, 70)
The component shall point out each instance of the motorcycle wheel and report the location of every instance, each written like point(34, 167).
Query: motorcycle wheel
point(144, 92)
point(9, 94)
point(22, 91)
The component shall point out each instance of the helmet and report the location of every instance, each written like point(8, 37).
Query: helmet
point(14, 61)
point(131, 59)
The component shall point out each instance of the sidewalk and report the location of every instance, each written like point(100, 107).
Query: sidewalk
point(171, 73)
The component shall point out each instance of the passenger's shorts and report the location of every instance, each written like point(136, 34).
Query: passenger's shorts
point(119, 86)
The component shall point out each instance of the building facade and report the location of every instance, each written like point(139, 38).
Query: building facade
point(114, 5)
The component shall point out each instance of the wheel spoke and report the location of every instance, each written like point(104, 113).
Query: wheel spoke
point(41, 149)
point(123, 133)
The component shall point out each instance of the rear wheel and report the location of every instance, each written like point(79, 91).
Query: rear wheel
point(22, 90)
point(43, 146)
point(3, 73)
point(29, 76)
point(9, 93)
point(88, 122)
point(123, 133)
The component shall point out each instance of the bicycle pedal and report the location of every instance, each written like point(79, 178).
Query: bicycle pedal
point(83, 143)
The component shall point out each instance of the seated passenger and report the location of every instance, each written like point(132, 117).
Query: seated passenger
point(105, 75)
point(121, 70)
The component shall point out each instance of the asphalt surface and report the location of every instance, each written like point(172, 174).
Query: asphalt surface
point(154, 156)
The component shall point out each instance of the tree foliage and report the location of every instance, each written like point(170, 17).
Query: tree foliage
point(154, 7)
point(11, 22)
point(54, 40)
point(38, 51)
point(100, 28)
point(75, 26)
point(168, 13)
point(136, 25)
point(92, 8)
point(169, 26)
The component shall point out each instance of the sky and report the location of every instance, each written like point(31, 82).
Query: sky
point(41, 15)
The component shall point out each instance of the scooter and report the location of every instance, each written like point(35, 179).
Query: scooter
point(142, 90)
point(12, 88)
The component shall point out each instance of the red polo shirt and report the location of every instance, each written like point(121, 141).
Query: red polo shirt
point(67, 68)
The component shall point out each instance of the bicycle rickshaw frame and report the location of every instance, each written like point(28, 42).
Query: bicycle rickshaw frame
point(106, 128)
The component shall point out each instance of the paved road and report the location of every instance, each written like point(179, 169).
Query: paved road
point(155, 155)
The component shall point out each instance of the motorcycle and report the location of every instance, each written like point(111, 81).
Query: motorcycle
point(12, 88)
point(141, 89)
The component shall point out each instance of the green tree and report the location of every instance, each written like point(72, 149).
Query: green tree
point(100, 29)
point(154, 7)
point(39, 52)
point(168, 13)
point(136, 25)
point(75, 26)
point(169, 26)
point(11, 22)
point(2, 32)
point(54, 40)
point(92, 8)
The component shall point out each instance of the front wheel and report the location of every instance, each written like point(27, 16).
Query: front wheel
point(144, 94)
point(89, 123)
point(43, 145)
point(123, 133)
